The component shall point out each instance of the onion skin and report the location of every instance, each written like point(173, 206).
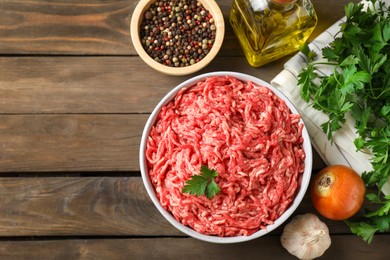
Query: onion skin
point(337, 192)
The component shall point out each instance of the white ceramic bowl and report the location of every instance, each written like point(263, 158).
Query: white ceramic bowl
point(304, 182)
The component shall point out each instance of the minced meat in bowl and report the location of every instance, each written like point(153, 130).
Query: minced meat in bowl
point(245, 130)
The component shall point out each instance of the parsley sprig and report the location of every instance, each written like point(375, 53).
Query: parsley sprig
point(359, 85)
point(203, 183)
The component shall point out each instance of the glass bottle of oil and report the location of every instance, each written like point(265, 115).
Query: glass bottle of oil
point(270, 29)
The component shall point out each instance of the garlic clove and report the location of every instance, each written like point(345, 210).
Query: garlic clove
point(306, 237)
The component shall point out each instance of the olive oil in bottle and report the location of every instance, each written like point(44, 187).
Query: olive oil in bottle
point(270, 29)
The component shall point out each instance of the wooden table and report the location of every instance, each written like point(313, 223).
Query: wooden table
point(74, 98)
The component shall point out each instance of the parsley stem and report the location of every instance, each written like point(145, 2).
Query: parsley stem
point(383, 92)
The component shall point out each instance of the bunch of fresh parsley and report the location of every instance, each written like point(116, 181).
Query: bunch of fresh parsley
point(360, 85)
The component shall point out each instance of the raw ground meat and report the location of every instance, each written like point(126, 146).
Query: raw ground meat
point(243, 131)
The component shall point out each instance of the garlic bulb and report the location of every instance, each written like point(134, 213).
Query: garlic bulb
point(306, 236)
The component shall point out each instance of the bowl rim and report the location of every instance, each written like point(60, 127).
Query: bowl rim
point(304, 179)
point(137, 18)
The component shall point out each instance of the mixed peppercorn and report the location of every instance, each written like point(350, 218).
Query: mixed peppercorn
point(177, 33)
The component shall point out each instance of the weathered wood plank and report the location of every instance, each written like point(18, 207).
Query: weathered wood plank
point(73, 142)
point(78, 207)
point(98, 27)
point(89, 206)
point(31, 143)
point(344, 247)
point(95, 84)
point(71, 27)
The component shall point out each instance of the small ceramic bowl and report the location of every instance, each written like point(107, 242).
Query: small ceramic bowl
point(303, 181)
point(137, 18)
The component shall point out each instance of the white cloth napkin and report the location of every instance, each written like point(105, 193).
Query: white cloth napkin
point(342, 150)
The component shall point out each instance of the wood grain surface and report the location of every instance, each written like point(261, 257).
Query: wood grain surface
point(72, 206)
point(65, 27)
point(74, 98)
point(67, 142)
point(90, 206)
point(94, 84)
point(343, 247)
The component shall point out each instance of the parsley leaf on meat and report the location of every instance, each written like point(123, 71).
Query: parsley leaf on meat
point(359, 85)
point(203, 183)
